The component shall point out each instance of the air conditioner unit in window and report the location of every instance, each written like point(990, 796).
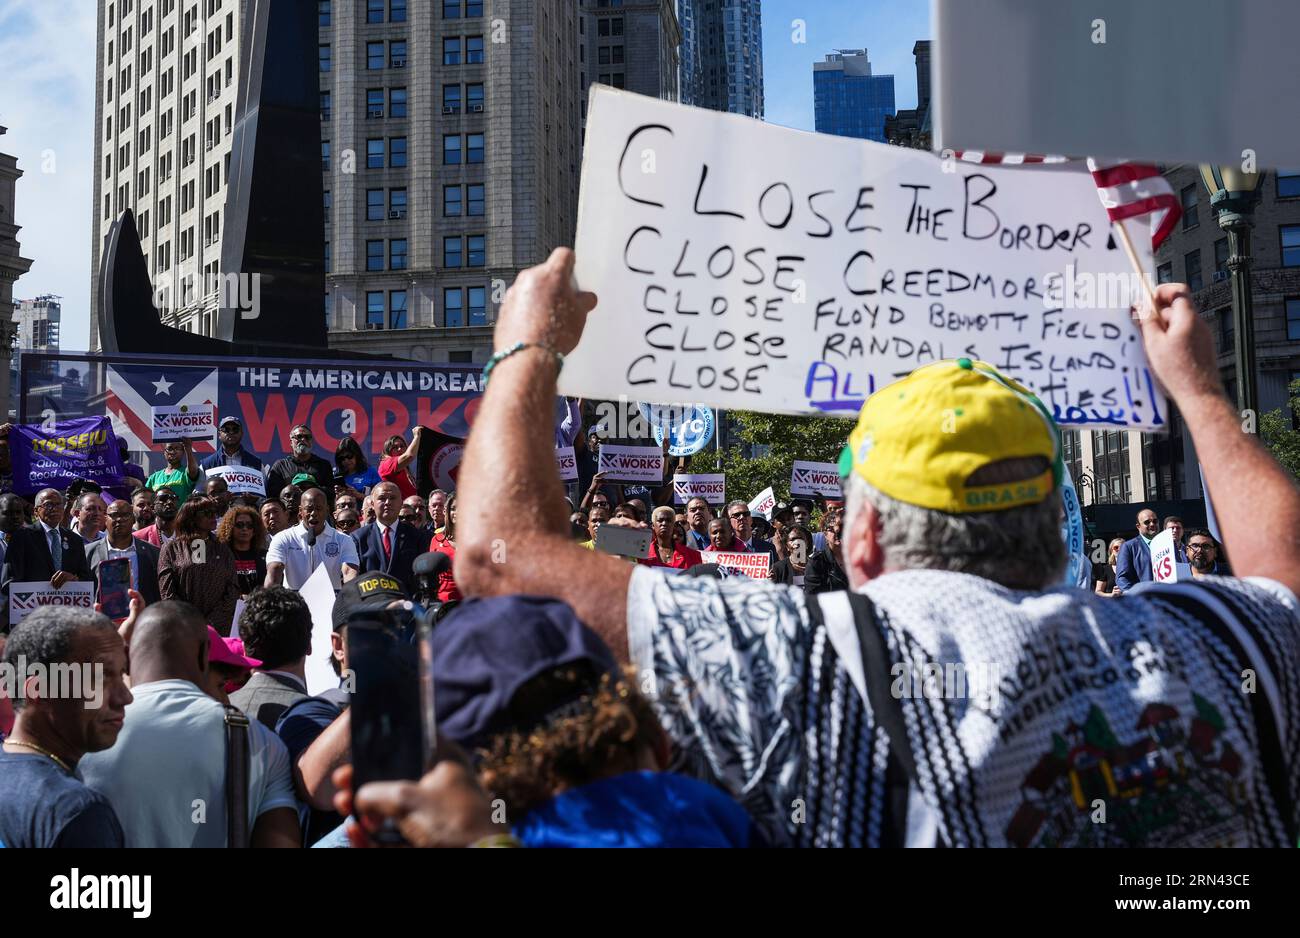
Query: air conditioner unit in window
point(373, 325)
point(399, 63)
point(397, 213)
point(374, 113)
point(1220, 276)
point(476, 109)
point(449, 109)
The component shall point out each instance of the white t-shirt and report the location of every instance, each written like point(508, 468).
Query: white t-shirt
point(166, 774)
point(333, 548)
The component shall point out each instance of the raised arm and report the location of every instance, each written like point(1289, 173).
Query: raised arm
point(508, 481)
point(1256, 502)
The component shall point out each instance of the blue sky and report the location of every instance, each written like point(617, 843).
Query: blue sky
point(48, 51)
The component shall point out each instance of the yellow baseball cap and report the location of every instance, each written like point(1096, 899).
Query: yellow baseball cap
point(919, 439)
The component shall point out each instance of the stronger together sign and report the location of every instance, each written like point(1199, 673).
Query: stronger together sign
point(744, 265)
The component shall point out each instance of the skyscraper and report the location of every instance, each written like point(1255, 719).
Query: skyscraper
point(722, 55)
point(849, 101)
point(632, 45)
point(38, 323)
point(449, 143)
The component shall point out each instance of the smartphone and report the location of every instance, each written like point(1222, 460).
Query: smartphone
point(114, 581)
point(624, 542)
point(393, 729)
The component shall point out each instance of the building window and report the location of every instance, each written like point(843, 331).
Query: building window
point(397, 152)
point(478, 306)
point(453, 309)
point(323, 13)
point(1221, 257)
point(451, 150)
point(476, 249)
point(1165, 273)
point(323, 53)
point(1227, 330)
point(374, 255)
point(1293, 318)
point(397, 102)
point(374, 103)
point(374, 11)
point(325, 155)
point(602, 55)
point(451, 51)
point(375, 154)
point(451, 252)
point(459, 357)
point(326, 106)
point(474, 148)
point(1192, 264)
point(476, 199)
point(473, 50)
point(374, 205)
point(397, 53)
point(397, 309)
point(1190, 217)
point(1288, 183)
point(451, 9)
point(397, 203)
point(473, 7)
point(375, 309)
point(327, 257)
point(397, 11)
point(451, 201)
point(451, 99)
point(474, 99)
point(397, 254)
point(328, 204)
point(374, 55)
point(1290, 245)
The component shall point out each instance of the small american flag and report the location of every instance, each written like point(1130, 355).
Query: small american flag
point(1127, 190)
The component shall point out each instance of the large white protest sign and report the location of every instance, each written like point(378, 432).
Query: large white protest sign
point(26, 598)
point(318, 594)
point(632, 463)
point(178, 422)
point(815, 478)
point(1088, 77)
point(804, 281)
point(763, 503)
point(567, 463)
point(241, 480)
point(712, 487)
point(1164, 567)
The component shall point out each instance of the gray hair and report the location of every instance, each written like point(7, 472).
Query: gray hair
point(45, 637)
point(1019, 548)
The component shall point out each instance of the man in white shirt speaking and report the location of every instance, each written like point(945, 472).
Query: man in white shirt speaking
point(296, 552)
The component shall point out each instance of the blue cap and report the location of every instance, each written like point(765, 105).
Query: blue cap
point(486, 650)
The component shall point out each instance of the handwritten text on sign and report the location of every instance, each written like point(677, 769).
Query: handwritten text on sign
point(804, 281)
point(197, 422)
point(712, 487)
point(632, 463)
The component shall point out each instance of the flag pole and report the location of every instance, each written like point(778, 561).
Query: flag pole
point(1133, 259)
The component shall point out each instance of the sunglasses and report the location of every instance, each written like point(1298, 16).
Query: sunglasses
point(347, 523)
point(739, 514)
point(1200, 547)
point(243, 525)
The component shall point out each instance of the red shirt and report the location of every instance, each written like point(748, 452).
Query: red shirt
point(389, 472)
point(683, 557)
point(737, 547)
point(447, 588)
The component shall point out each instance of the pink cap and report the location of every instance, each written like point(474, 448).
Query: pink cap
point(228, 651)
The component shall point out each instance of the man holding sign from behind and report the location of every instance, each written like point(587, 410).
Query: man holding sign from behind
point(953, 549)
point(181, 472)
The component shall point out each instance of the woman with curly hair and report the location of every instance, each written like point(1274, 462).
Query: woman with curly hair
point(197, 568)
point(351, 463)
point(244, 533)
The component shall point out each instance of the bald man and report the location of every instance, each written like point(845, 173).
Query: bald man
point(166, 776)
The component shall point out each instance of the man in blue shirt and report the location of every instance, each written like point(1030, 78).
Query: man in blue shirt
point(43, 802)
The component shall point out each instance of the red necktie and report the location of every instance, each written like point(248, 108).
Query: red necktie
point(388, 545)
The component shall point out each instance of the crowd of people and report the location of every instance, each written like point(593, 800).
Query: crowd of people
point(664, 699)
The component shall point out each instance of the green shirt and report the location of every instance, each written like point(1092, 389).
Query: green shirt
point(178, 480)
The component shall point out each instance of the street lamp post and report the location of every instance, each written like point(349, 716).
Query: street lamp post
point(1232, 195)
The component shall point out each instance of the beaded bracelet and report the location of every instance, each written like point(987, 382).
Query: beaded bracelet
point(499, 357)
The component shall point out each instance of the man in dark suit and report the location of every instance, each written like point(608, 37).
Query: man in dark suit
point(1133, 565)
point(44, 550)
point(119, 543)
point(742, 522)
point(387, 545)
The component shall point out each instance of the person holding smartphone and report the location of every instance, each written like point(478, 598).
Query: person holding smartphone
point(120, 543)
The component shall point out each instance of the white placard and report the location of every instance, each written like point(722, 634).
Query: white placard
point(1164, 561)
point(815, 478)
point(632, 463)
point(184, 421)
point(1076, 77)
point(756, 566)
point(804, 281)
point(241, 480)
point(318, 594)
point(712, 487)
point(239, 614)
point(567, 463)
point(763, 503)
point(26, 598)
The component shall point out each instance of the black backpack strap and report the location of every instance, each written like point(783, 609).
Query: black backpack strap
point(237, 833)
